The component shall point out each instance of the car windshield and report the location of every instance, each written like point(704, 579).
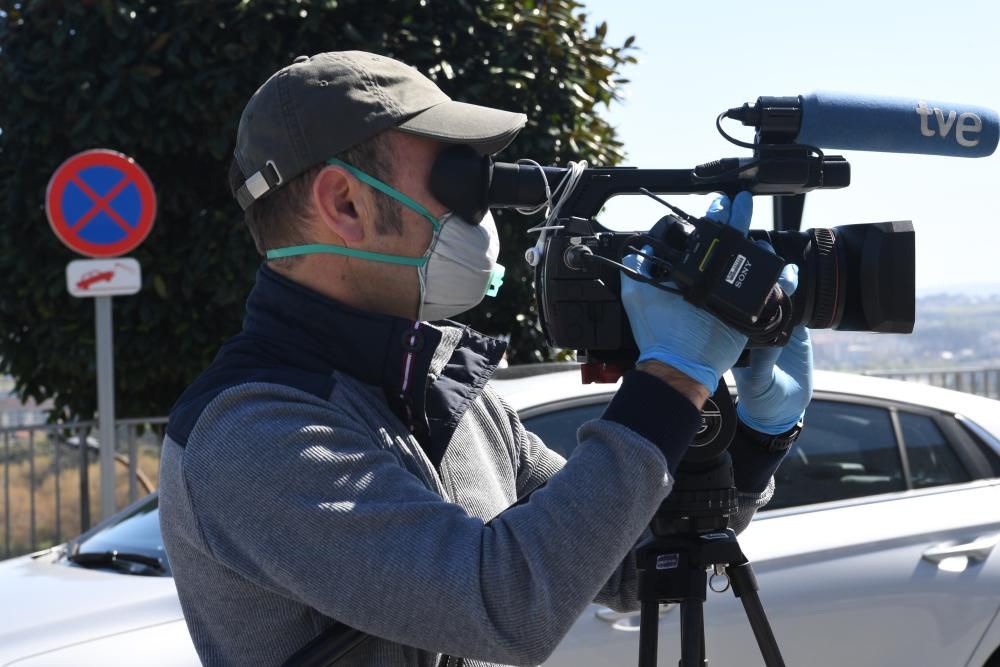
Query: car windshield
point(136, 531)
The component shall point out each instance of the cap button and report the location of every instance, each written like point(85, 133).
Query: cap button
point(301, 59)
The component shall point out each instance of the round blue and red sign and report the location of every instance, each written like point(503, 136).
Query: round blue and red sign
point(100, 203)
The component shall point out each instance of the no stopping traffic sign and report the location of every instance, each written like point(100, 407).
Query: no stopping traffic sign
point(100, 203)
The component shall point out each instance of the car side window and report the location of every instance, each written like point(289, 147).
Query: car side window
point(557, 429)
point(932, 460)
point(845, 450)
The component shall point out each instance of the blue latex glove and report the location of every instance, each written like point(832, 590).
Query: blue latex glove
point(669, 329)
point(775, 389)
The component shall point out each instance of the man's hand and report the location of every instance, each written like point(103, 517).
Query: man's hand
point(681, 336)
point(775, 389)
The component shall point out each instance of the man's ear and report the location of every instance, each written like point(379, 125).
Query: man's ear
point(337, 199)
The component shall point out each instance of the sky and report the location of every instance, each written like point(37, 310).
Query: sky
point(697, 59)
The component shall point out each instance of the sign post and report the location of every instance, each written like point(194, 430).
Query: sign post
point(100, 203)
point(105, 402)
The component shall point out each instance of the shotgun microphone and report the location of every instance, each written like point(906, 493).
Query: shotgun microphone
point(873, 123)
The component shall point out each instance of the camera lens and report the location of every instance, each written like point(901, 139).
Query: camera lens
point(853, 277)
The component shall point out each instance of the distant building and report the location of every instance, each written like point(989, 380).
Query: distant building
point(15, 413)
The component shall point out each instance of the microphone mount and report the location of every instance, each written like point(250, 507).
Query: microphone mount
point(777, 119)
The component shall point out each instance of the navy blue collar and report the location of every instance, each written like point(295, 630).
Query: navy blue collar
point(307, 329)
point(429, 374)
point(292, 335)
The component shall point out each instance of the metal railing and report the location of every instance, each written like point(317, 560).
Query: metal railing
point(49, 471)
point(982, 381)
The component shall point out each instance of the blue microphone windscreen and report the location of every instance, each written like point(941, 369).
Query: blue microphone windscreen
point(897, 125)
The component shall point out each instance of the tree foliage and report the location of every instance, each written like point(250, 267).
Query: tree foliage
point(164, 81)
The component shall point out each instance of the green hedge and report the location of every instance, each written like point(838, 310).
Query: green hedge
point(164, 81)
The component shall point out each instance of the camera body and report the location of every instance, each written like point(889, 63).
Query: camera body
point(580, 301)
point(853, 277)
point(714, 266)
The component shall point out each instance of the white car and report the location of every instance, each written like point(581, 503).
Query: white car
point(878, 548)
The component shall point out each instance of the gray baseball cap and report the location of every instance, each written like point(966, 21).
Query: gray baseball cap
point(321, 105)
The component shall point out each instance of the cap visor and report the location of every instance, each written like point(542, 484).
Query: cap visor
point(487, 130)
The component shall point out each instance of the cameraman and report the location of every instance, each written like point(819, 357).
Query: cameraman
point(343, 459)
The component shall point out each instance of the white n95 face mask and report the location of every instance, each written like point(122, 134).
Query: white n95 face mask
point(456, 271)
point(461, 268)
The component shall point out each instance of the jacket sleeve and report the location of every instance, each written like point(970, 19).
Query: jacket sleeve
point(620, 592)
point(291, 493)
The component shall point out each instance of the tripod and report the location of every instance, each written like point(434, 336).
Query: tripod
point(691, 534)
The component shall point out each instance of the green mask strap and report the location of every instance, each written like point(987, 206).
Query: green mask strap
point(387, 189)
point(312, 248)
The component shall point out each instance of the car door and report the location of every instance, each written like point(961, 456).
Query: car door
point(876, 554)
point(870, 583)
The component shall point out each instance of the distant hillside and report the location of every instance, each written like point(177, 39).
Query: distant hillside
point(976, 290)
point(951, 329)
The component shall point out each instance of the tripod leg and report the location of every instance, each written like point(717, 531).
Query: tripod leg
point(649, 621)
point(692, 633)
point(745, 588)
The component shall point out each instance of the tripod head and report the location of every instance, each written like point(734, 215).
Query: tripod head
point(704, 496)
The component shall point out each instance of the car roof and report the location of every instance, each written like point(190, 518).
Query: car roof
point(551, 385)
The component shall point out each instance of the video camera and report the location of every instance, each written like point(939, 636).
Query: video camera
point(856, 277)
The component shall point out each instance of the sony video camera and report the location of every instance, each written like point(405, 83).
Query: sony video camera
point(856, 277)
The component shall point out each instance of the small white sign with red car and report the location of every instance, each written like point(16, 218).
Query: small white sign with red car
point(103, 277)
